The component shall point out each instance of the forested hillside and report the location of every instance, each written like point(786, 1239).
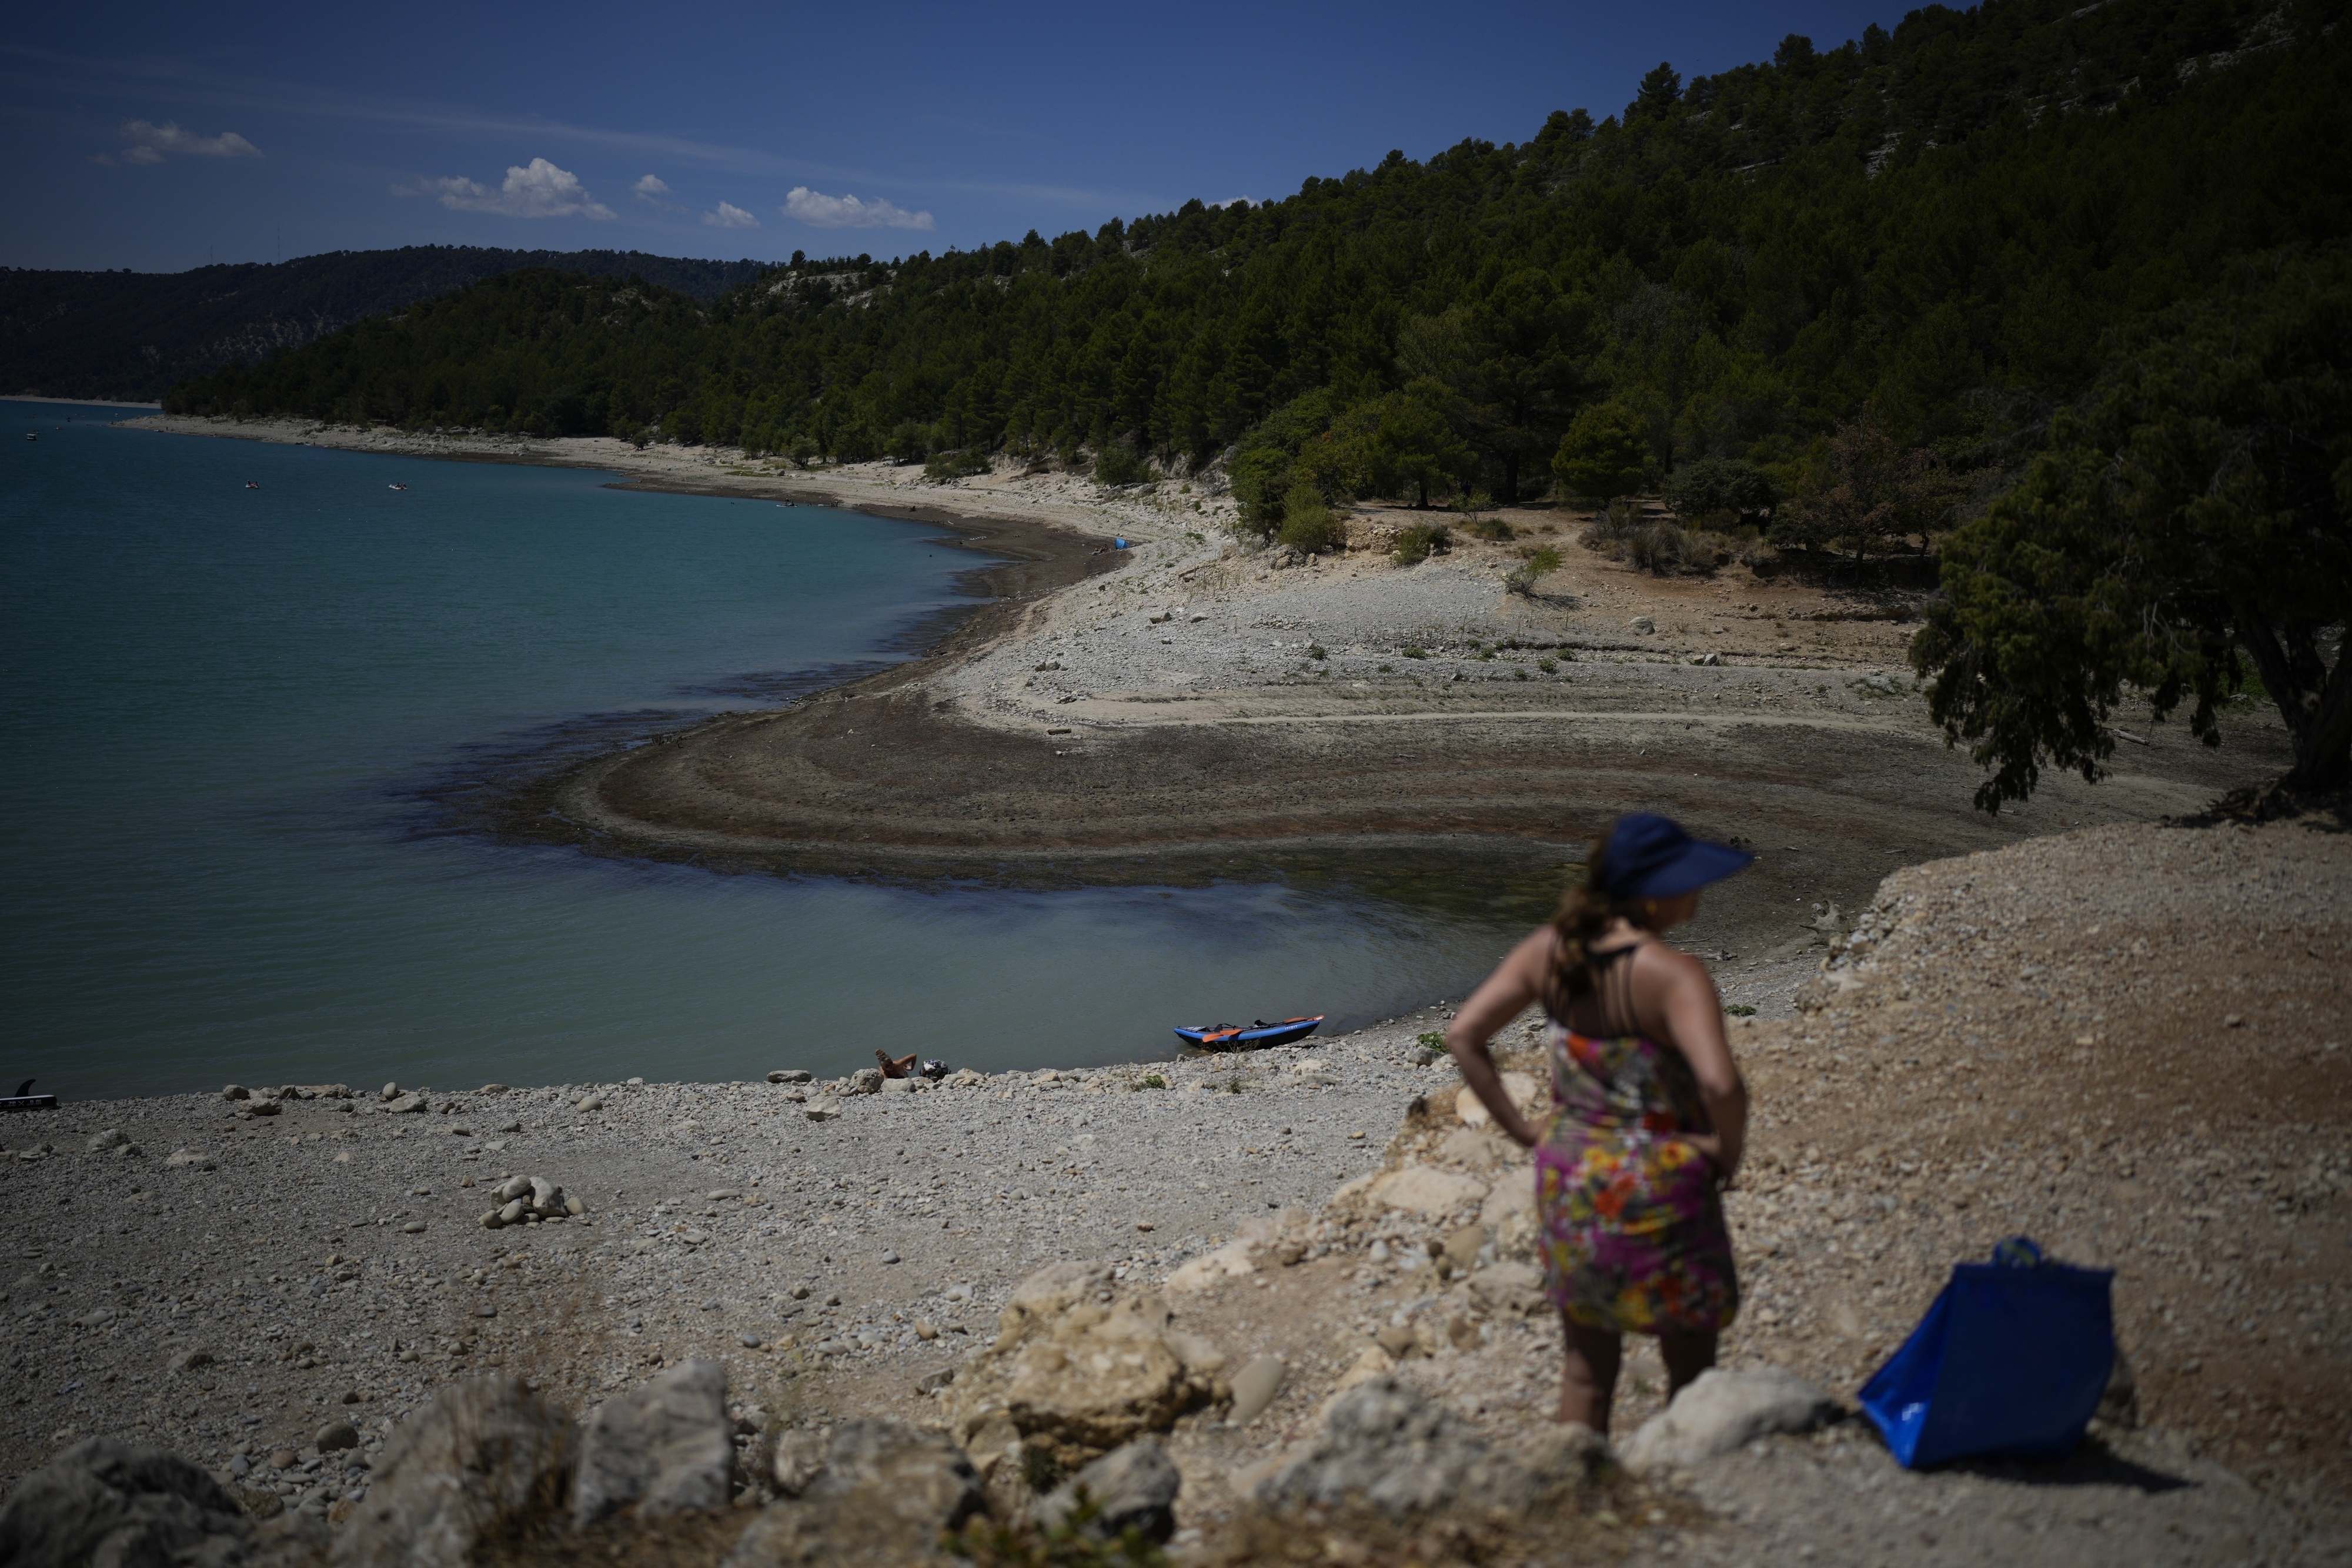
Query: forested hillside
point(1938, 226)
point(132, 334)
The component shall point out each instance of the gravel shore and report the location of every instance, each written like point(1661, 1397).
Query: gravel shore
point(202, 1275)
point(2128, 1042)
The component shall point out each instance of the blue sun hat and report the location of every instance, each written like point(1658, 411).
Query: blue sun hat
point(1650, 856)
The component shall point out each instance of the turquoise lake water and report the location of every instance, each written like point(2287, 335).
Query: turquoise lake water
point(229, 714)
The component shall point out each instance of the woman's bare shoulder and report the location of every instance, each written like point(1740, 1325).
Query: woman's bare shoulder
point(1671, 963)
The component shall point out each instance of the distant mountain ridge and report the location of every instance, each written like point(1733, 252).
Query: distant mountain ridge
point(130, 334)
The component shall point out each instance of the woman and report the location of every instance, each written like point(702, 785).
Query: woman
point(1651, 1112)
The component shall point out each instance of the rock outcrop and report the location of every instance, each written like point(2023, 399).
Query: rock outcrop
point(102, 1501)
point(663, 1449)
point(1387, 1445)
point(1076, 1371)
point(1720, 1411)
point(874, 1491)
point(1130, 1487)
point(488, 1455)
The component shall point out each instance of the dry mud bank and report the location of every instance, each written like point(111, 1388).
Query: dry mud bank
point(1189, 710)
point(2129, 1042)
point(1194, 695)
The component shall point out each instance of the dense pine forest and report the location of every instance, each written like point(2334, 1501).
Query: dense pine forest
point(1941, 224)
point(1931, 287)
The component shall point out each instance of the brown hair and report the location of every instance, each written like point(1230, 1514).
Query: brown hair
point(1585, 911)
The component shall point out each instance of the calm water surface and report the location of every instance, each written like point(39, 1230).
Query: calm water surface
point(226, 712)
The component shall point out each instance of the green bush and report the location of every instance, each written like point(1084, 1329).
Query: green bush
point(1706, 488)
point(955, 465)
point(1417, 653)
point(1309, 522)
point(1418, 543)
point(909, 441)
point(1117, 465)
point(1489, 529)
point(1538, 563)
point(1264, 468)
point(1660, 546)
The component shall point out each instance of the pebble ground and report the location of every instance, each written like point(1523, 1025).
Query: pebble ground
point(2128, 1043)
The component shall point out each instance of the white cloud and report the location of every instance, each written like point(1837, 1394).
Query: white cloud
point(650, 186)
point(822, 211)
point(727, 215)
point(149, 142)
point(538, 190)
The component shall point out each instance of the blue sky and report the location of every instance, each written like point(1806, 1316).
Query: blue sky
point(153, 136)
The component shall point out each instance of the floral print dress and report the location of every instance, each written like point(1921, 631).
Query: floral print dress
point(1633, 1234)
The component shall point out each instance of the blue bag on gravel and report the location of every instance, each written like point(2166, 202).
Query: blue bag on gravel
point(2009, 1362)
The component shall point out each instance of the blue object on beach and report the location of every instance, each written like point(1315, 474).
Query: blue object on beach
point(1234, 1037)
point(2009, 1362)
point(1117, 543)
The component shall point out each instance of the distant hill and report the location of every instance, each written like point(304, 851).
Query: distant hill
point(132, 334)
point(1939, 231)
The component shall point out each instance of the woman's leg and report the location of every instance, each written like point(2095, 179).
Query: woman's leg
point(1687, 1355)
point(1588, 1382)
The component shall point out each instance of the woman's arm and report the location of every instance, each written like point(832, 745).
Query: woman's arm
point(1517, 981)
point(1685, 1002)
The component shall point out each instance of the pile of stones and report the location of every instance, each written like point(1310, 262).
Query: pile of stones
point(528, 1200)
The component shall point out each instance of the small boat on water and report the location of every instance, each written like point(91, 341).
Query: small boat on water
point(395, 486)
point(253, 484)
point(1247, 1036)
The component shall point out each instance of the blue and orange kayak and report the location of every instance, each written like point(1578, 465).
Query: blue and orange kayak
point(1240, 1037)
